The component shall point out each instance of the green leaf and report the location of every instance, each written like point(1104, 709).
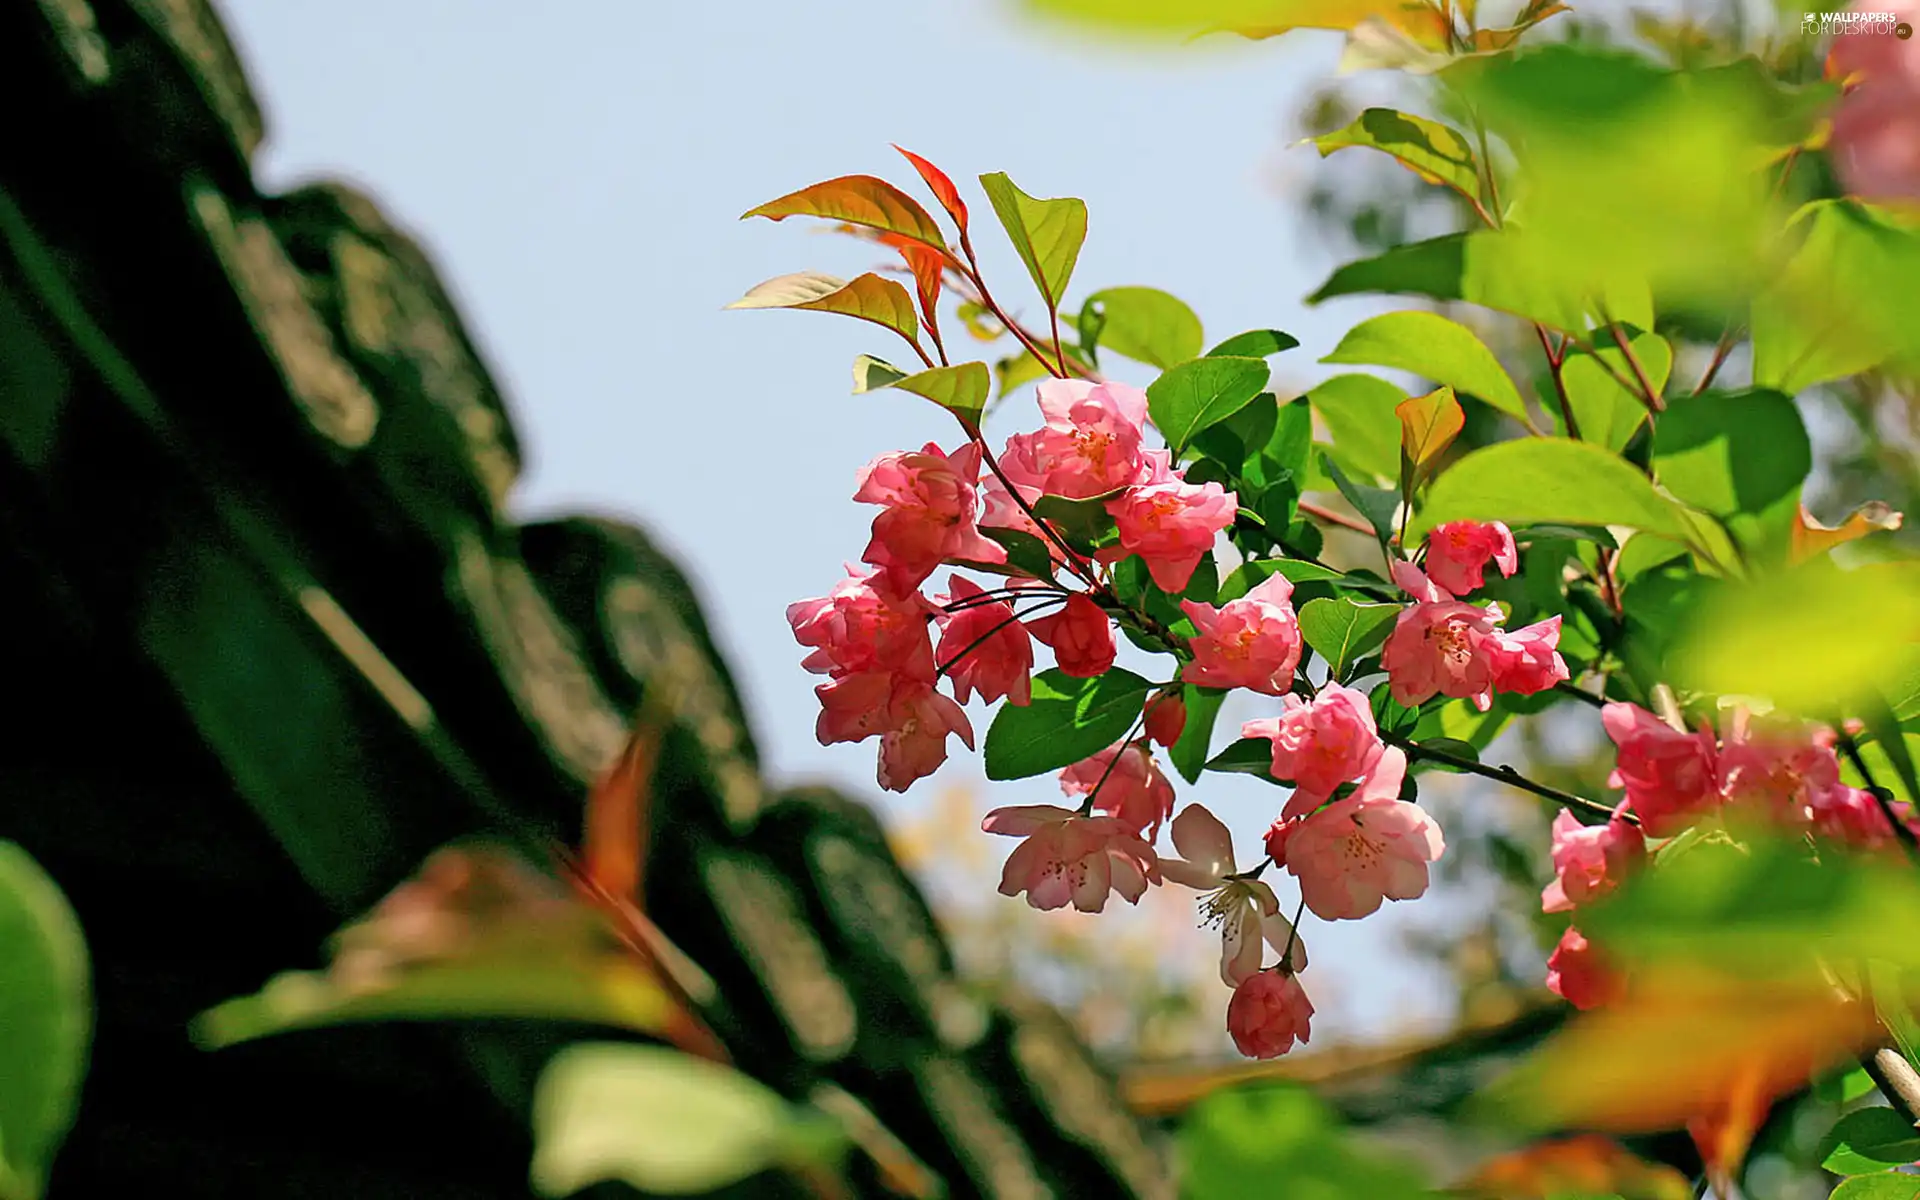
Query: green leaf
point(1878, 1187)
point(1813, 639)
point(1548, 479)
point(1434, 152)
point(1249, 575)
point(1145, 324)
point(1888, 738)
point(1377, 505)
point(1046, 233)
point(1238, 1142)
point(1189, 753)
point(1188, 398)
point(1025, 552)
point(1496, 270)
point(1452, 748)
point(1728, 453)
point(1342, 630)
point(663, 1122)
point(1608, 414)
point(867, 298)
point(1255, 343)
point(1085, 524)
point(46, 1021)
point(1068, 720)
point(1017, 370)
point(1247, 756)
point(1358, 411)
point(1870, 1140)
point(1848, 301)
point(960, 389)
point(1432, 347)
point(857, 200)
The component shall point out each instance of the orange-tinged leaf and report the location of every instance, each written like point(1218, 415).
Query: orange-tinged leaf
point(868, 297)
point(1428, 425)
point(1723, 1135)
point(858, 200)
point(1420, 21)
point(927, 265)
point(941, 186)
point(1587, 1165)
point(1811, 538)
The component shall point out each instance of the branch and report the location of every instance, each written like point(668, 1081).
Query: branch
point(1897, 1081)
point(1504, 774)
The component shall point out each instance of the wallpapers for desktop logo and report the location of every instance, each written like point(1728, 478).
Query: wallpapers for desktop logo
point(1855, 24)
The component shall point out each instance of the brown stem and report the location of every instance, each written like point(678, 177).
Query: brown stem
point(1331, 517)
point(1720, 352)
point(984, 638)
point(1649, 395)
point(1056, 369)
point(1504, 774)
point(1556, 360)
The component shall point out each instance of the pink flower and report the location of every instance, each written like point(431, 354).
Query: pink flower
point(1166, 715)
point(854, 708)
point(1580, 974)
point(1443, 646)
point(1369, 847)
point(1875, 142)
point(1669, 776)
point(1267, 1013)
point(1848, 816)
point(915, 744)
point(1321, 745)
point(1081, 637)
point(865, 624)
point(1252, 642)
point(1275, 842)
point(1134, 791)
point(1171, 526)
point(1246, 910)
point(1459, 551)
point(1590, 860)
point(931, 501)
point(1781, 772)
point(1527, 661)
point(1067, 858)
point(983, 647)
point(1090, 444)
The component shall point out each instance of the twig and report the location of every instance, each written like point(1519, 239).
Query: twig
point(1902, 832)
point(1897, 1081)
point(1334, 518)
point(1505, 774)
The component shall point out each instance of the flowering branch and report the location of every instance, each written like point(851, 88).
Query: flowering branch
point(1503, 774)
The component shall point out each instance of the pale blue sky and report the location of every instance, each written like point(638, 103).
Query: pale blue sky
point(577, 167)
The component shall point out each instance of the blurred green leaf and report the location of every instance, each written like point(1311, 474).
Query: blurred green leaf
point(1727, 453)
point(1437, 154)
point(1253, 1143)
point(1870, 1140)
point(1812, 639)
point(1878, 1187)
point(46, 1021)
point(1609, 414)
point(1358, 411)
point(1047, 234)
point(1146, 324)
point(663, 1122)
point(1848, 301)
point(1432, 347)
point(1202, 392)
point(1342, 630)
point(1498, 270)
point(1254, 18)
point(1069, 719)
point(1552, 480)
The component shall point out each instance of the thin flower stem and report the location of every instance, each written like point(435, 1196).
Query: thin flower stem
point(1580, 694)
point(1504, 774)
point(984, 638)
point(1293, 931)
point(1555, 361)
point(1333, 518)
point(1057, 368)
point(1138, 722)
point(1902, 832)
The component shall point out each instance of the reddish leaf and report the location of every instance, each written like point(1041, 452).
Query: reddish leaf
point(942, 188)
point(1583, 1165)
point(869, 298)
point(1428, 425)
point(927, 265)
point(857, 200)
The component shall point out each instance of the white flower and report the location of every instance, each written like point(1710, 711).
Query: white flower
point(1246, 910)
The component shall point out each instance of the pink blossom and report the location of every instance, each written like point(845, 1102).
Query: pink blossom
point(1171, 526)
point(1458, 553)
point(1527, 661)
point(1875, 141)
point(1090, 444)
point(1267, 1013)
point(1166, 714)
point(1669, 776)
point(854, 708)
point(1590, 860)
point(1580, 974)
point(1067, 858)
point(1321, 745)
point(1252, 642)
point(1081, 637)
point(1245, 910)
point(865, 624)
point(1275, 842)
point(1134, 791)
point(915, 744)
point(1000, 660)
point(1442, 646)
point(1851, 817)
point(1371, 846)
point(1782, 773)
point(931, 502)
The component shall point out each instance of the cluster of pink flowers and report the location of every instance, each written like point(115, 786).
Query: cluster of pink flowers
point(1782, 776)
